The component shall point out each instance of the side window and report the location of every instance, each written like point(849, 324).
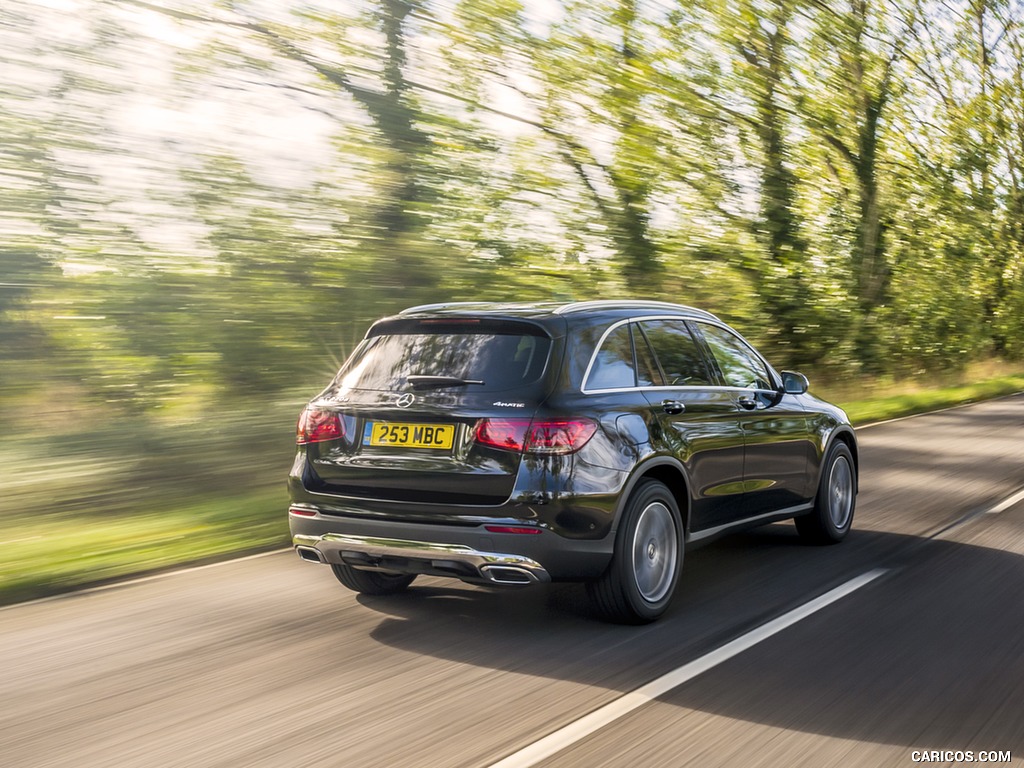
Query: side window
point(677, 352)
point(740, 365)
point(614, 366)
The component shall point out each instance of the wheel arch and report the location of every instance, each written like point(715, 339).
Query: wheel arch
point(672, 475)
point(846, 436)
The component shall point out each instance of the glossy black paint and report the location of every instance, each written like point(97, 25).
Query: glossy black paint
point(731, 456)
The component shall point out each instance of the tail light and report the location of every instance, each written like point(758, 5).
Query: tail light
point(541, 436)
point(317, 426)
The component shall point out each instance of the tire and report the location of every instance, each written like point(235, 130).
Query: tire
point(372, 582)
point(639, 583)
point(832, 516)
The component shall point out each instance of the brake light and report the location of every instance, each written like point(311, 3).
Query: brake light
point(317, 426)
point(543, 436)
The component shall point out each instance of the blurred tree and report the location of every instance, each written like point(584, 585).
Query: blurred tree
point(54, 216)
point(969, 66)
point(756, 36)
point(852, 79)
point(572, 84)
point(384, 94)
point(612, 88)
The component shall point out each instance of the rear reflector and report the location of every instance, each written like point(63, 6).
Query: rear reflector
point(511, 529)
point(302, 511)
point(542, 436)
point(317, 426)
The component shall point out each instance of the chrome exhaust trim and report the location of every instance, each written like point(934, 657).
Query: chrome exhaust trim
point(508, 575)
point(311, 554)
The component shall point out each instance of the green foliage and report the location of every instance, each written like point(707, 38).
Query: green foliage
point(204, 205)
point(812, 173)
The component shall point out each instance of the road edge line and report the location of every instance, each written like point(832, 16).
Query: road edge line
point(968, 404)
point(139, 580)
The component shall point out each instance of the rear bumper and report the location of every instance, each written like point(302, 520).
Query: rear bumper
point(467, 552)
point(404, 556)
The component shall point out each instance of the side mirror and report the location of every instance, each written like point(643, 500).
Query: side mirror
point(794, 383)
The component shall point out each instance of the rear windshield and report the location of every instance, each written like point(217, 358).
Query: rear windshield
point(500, 356)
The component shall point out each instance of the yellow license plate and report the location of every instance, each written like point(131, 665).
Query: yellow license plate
point(383, 433)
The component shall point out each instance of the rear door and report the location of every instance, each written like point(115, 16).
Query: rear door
point(411, 397)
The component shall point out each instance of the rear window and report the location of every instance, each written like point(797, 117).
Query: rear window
point(500, 355)
point(614, 366)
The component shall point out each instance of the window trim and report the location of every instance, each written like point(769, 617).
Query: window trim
point(600, 345)
point(709, 360)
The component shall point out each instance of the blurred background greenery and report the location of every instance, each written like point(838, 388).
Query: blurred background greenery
point(203, 205)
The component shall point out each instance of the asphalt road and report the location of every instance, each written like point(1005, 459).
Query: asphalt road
point(269, 662)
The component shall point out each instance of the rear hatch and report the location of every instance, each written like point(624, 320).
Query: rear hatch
point(417, 403)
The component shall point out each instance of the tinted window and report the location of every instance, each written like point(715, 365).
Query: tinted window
point(613, 366)
point(676, 351)
point(501, 360)
point(739, 364)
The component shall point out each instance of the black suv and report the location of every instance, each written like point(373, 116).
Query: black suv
point(510, 444)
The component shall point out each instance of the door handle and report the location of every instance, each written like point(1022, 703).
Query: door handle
point(673, 406)
point(747, 403)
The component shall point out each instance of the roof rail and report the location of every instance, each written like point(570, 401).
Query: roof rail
point(583, 306)
point(444, 305)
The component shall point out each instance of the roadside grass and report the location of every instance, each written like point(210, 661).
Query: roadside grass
point(61, 553)
point(866, 411)
point(88, 538)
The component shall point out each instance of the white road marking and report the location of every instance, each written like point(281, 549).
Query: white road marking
point(588, 724)
point(1006, 503)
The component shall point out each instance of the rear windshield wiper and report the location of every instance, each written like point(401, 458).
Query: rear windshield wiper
point(438, 382)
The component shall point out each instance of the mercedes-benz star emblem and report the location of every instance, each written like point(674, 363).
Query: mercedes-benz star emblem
point(404, 401)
